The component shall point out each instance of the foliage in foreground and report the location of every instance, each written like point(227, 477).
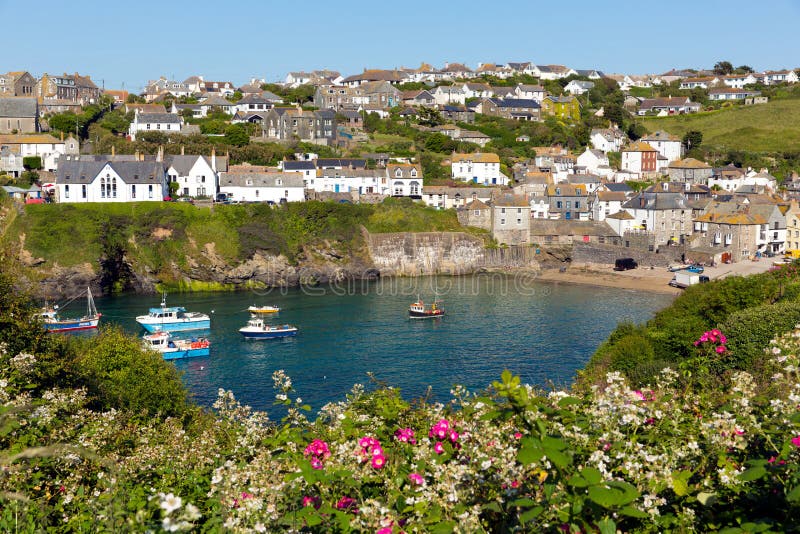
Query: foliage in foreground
point(673, 456)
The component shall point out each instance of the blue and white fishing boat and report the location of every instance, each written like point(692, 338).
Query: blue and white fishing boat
point(173, 319)
point(256, 329)
point(173, 349)
point(54, 323)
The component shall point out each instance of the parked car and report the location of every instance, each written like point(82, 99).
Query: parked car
point(186, 199)
point(676, 268)
point(623, 264)
point(696, 269)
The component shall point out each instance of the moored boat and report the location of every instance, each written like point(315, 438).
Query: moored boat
point(260, 310)
point(54, 323)
point(417, 310)
point(173, 349)
point(256, 329)
point(173, 319)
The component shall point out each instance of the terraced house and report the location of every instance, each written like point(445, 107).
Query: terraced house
point(317, 127)
point(479, 168)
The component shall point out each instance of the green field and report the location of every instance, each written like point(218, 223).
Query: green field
point(771, 127)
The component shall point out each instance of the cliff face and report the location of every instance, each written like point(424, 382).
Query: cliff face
point(398, 254)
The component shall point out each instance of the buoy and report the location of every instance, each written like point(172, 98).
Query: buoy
point(202, 368)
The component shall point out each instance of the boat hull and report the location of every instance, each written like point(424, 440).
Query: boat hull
point(425, 315)
point(268, 335)
point(72, 326)
point(186, 353)
point(181, 326)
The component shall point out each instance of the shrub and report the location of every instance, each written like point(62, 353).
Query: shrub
point(120, 374)
point(750, 330)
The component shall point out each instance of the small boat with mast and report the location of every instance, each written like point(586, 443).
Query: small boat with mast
point(54, 323)
point(417, 310)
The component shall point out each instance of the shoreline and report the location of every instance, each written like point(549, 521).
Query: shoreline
point(649, 280)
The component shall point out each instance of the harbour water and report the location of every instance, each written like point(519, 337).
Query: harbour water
point(541, 331)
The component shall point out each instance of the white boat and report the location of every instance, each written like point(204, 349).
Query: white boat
point(173, 319)
point(256, 329)
point(172, 349)
point(54, 323)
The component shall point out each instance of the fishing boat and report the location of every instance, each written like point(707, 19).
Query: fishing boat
point(417, 310)
point(173, 349)
point(261, 310)
point(54, 323)
point(256, 329)
point(173, 319)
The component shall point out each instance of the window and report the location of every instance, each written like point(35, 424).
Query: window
point(148, 125)
point(149, 191)
point(569, 204)
point(83, 191)
point(133, 191)
point(502, 221)
point(577, 204)
point(477, 213)
point(519, 221)
point(278, 182)
point(558, 204)
point(66, 191)
point(502, 210)
point(257, 193)
point(519, 210)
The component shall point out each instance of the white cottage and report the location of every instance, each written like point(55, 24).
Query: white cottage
point(106, 180)
point(479, 168)
point(196, 176)
point(272, 187)
point(154, 122)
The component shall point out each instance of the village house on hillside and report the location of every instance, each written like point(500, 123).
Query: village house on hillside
point(17, 83)
point(479, 168)
point(103, 179)
point(19, 115)
point(270, 187)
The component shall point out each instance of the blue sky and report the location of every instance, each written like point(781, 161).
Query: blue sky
point(131, 42)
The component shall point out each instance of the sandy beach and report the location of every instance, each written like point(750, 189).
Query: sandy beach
point(643, 279)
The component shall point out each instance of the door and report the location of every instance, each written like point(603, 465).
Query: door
point(336, 188)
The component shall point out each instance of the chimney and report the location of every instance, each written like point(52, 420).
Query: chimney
point(160, 155)
point(113, 151)
point(136, 155)
point(62, 137)
point(182, 150)
point(214, 159)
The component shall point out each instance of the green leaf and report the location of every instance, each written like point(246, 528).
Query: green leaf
point(559, 459)
point(680, 483)
point(754, 473)
point(794, 495)
point(531, 514)
point(520, 503)
point(707, 499)
point(613, 494)
point(531, 451)
point(630, 511)
point(607, 526)
point(592, 475)
point(445, 527)
point(553, 443)
point(577, 481)
point(568, 401)
point(493, 507)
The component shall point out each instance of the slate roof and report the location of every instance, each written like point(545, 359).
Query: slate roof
point(660, 135)
point(183, 164)
point(144, 118)
point(84, 171)
point(657, 201)
point(526, 103)
point(299, 165)
point(18, 107)
point(260, 179)
point(623, 187)
point(341, 162)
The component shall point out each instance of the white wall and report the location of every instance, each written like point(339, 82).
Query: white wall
point(263, 193)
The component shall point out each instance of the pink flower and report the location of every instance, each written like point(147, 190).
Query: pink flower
point(317, 448)
point(316, 463)
point(405, 435)
point(384, 530)
point(517, 435)
point(720, 349)
point(453, 436)
point(311, 501)
point(378, 461)
point(796, 441)
point(416, 479)
point(515, 484)
point(347, 504)
point(439, 448)
point(246, 495)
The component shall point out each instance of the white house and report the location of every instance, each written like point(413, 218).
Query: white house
point(605, 203)
point(771, 77)
point(477, 90)
point(296, 79)
point(668, 145)
point(305, 168)
point(578, 87)
point(447, 95)
point(731, 183)
point(252, 103)
point(552, 72)
point(196, 176)
point(540, 208)
point(607, 139)
point(274, 187)
point(443, 197)
point(45, 146)
point(593, 160)
point(479, 168)
point(738, 81)
point(105, 180)
point(405, 179)
point(155, 122)
point(530, 92)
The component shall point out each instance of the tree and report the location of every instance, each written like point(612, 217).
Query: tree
point(745, 69)
point(636, 131)
point(692, 139)
point(723, 67)
point(430, 117)
point(236, 135)
point(614, 113)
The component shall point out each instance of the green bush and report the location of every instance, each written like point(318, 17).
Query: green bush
point(120, 374)
point(32, 162)
point(749, 331)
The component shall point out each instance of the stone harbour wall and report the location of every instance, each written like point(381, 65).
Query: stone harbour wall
point(415, 254)
point(583, 253)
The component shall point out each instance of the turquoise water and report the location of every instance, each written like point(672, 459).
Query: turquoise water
point(541, 331)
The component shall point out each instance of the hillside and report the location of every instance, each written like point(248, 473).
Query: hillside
point(771, 127)
point(136, 246)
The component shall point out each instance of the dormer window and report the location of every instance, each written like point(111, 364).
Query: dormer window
point(413, 173)
point(398, 173)
point(278, 182)
point(249, 181)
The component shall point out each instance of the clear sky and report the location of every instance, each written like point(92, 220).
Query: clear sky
point(131, 42)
